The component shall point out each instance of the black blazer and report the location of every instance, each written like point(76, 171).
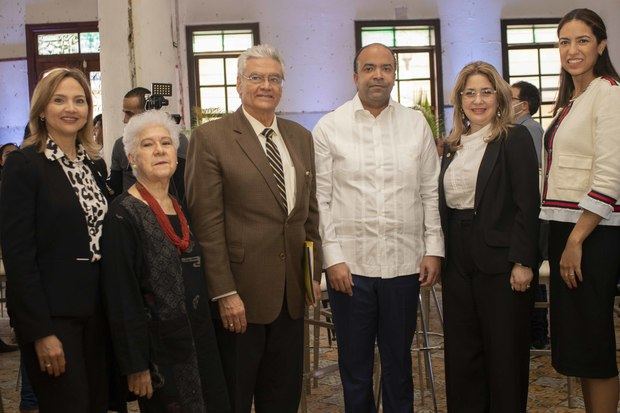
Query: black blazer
point(45, 244)
point(506, 206)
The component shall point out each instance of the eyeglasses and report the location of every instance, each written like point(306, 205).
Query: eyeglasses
point(273, 80)
point(485, 93)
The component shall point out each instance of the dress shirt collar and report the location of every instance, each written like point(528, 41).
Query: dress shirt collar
point(258, 127)
point(357, 104)
point(53, 151)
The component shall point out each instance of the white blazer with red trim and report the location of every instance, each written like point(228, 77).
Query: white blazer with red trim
point(582, 157)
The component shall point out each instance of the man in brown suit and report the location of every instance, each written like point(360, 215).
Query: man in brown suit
point(251, 195)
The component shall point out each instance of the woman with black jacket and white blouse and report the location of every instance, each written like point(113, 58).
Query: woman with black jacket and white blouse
point(489, 204)
point(52, 207)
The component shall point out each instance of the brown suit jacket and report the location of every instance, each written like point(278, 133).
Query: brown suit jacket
point(249, 243)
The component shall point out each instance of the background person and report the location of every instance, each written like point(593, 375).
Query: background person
point(525, 103)
point(121, 175)
point(580, 200)
point(52, 206)
point(489, 203)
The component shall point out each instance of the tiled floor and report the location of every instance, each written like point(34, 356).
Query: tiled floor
point(547, 392)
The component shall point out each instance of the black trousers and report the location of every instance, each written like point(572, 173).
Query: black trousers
point(487, 333)
point(83, 388)
point(264, 364)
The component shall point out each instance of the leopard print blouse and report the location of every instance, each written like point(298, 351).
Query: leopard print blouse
point(89, 195)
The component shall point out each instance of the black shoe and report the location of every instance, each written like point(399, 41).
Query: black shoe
point(7, 348)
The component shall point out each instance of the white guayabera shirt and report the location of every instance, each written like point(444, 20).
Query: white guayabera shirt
point(377, 189)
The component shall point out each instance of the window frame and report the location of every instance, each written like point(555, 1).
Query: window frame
point(523, 46)
point(193, 59)
point(37, 63)
point(434, 52)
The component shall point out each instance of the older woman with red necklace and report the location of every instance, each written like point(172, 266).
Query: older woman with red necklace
point(153, 285)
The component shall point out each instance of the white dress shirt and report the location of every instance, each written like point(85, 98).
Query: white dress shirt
point(377, 189)
point(287, 163)
point(460, 178)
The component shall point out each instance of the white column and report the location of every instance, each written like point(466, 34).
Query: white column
point(136, 50)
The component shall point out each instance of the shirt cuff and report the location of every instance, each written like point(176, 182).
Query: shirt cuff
point(434, 247)
point(224, 295)
point(332, 254)
point(598, 203)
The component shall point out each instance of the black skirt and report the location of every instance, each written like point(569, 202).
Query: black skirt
point(583, 342)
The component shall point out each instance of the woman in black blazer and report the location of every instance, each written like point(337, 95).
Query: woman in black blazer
point(52, 206)
point(489, 203)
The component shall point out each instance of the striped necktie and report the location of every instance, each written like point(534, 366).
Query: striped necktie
point(275, 161)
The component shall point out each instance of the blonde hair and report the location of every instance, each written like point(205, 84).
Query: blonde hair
point(500, 123)
point(41, 98)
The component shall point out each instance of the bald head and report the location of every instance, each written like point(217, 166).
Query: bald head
point(369, 46)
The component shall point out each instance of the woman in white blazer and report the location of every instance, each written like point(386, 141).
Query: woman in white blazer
point(580, 196)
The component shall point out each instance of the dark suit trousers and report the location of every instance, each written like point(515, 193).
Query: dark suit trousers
point(487, 332)
point(264, 363)
point(83, 388)
point(381, 310)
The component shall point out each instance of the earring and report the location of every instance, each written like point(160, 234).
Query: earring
point(499, 114)
point(42, 118)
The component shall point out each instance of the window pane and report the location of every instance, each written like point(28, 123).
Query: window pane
point(238, 42)
point(231, 71)
point(213, 98)
point(211, 71)
point(535, 80)
point(523, 62)
point(550, 61)
point(546, 109)
point(384, 36)
point(95, 89)
point(546, 122)
point(89, 42)
point(518, 35)
point(61, 43)
point(412, 37)
point(549, 88)
point(207, 43)
point(233, 99)
point(546, 34)
point(412, 90)
point(413, 65)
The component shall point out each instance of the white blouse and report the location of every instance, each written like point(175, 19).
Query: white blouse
point(460, 178)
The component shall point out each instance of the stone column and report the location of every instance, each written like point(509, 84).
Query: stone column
point(136, 50)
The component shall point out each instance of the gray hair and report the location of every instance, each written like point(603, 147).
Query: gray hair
point(139, 123)
point(261, 51)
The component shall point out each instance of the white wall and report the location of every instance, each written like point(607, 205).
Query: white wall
point(315, 36)
point(14, 15)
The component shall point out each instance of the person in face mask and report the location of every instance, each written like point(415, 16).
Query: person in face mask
point(525, 102)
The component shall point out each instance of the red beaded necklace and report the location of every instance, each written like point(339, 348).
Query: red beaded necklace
point(164, 222)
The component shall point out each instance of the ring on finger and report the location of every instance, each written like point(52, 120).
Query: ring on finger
point(48, 364)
